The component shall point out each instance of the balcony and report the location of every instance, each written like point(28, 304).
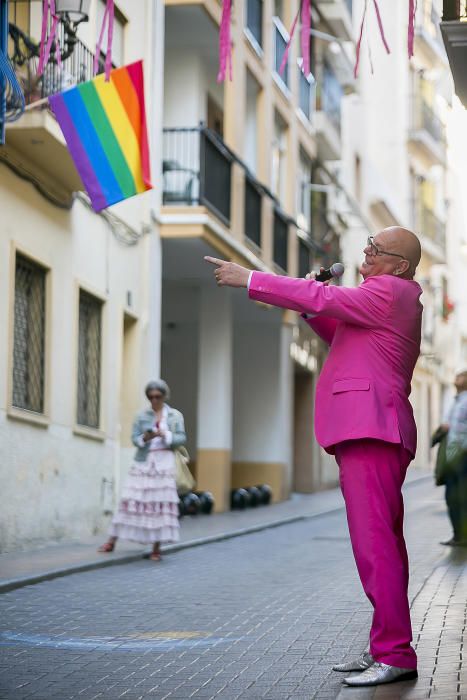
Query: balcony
point(428, 40)
point(454, 32)
point(328, 116)
point(432, 227)
point(35, 142)
point(209, 194)
point(427, 136)
point(338, 14)
point(197, 171)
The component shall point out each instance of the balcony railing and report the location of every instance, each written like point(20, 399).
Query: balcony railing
point(432, 227)
point(280, 240)
point(425, 118)
point(253, 206)
point(76, 68)
point(197, 169)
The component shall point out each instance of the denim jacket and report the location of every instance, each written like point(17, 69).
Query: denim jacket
point(145, 421)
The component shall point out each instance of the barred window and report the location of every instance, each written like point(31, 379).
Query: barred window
point(89, 360)
point(29, 335)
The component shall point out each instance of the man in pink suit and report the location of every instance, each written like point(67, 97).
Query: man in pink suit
point(364, 418)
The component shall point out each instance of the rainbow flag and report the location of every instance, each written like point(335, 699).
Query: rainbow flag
point(104, 125)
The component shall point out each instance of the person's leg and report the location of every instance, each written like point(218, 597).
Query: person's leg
point(462, 502)
point(108, 546)
point(372, 473)
point(451, 495)
point(156, 552)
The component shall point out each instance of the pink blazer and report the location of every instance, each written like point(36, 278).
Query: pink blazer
point(374, 335)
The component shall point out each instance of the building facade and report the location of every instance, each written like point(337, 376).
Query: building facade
point(278, 171)
point(80, 301)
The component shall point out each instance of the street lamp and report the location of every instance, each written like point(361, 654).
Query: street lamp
point(76, 10)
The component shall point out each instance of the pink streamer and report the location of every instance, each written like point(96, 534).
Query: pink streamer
point(225, 42)
point(109, 20)
point(359, 42)
point(380, 24)
point(287, 48)
point(411, 32)
point(305, 35)
point(48, 6)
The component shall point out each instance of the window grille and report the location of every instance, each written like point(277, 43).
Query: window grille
point(29, 335)
point(89, 360)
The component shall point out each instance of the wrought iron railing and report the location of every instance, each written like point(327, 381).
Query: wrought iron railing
point(424, 117)
point(76, 66)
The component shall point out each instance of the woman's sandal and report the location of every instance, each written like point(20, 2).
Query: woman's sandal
point(155, 556)
point(107, 547)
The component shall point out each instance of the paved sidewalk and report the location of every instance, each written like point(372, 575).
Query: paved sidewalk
point(258, 617)
point(60, 559)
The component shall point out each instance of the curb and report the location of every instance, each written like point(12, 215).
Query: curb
point(13, 584)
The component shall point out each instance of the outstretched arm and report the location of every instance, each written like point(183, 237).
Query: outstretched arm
point(368, 305)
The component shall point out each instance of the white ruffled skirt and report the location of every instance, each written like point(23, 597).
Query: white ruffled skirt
point(148, 507)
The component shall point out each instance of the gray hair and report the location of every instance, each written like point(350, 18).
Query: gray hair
point(158, 385)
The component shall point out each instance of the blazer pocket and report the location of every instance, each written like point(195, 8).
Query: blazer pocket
point(341, 385)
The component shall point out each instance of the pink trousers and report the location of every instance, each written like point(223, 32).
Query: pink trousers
point(371, 476)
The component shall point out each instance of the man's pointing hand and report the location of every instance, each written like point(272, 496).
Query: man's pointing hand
point(229, 274)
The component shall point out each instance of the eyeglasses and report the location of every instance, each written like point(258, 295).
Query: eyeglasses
point(378, 251)
point(152, 397)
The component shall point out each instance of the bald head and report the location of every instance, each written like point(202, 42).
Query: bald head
point(396, 239)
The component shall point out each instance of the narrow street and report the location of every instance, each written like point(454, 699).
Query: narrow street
point(259, 616)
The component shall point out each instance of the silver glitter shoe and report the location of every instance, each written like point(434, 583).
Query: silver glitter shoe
point(380, 673)
point(363, 662)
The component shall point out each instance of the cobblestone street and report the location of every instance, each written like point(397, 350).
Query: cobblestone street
point(259, 616)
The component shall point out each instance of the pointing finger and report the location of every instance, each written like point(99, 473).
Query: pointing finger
point(213, 261)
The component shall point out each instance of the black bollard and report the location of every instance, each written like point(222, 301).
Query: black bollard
point(239, 499)
point(191, 503)
point(256, 498)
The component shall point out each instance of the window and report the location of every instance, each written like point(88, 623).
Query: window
point(117, 38)
point(29, 335)
point(251, 122)
point(304, 192)
point(279, 153)
point(89, 360)
point(281, 39)
point(254, 20)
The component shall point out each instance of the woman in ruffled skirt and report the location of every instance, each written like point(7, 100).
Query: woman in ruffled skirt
point(148, 507)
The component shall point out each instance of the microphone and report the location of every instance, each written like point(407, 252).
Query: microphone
point(336, 270)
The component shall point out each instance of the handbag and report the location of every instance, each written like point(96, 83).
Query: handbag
point(447, 466)
point(183, 477)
